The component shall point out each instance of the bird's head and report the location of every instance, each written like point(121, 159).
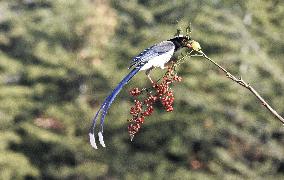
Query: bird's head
point(181, 41)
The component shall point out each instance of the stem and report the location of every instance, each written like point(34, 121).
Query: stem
point(241, 82)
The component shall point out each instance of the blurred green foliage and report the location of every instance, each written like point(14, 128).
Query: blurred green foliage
point(59, 60)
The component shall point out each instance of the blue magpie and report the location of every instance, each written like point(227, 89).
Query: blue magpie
point(157, 55)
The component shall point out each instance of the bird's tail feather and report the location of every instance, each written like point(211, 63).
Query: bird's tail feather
point(105, 106)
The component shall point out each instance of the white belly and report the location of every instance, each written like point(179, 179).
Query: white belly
point(158, 61)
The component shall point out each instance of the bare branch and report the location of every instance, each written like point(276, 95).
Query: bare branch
point(241, 82)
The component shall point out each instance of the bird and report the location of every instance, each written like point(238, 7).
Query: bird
point(156, 56)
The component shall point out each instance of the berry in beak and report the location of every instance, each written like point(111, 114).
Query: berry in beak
point(194, 45)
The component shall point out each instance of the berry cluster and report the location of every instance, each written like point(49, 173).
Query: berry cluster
point(162, 92)
point(135, 92)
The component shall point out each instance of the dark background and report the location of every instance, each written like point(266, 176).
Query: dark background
point(59, 59)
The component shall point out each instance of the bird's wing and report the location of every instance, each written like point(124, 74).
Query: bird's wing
point(152, 52)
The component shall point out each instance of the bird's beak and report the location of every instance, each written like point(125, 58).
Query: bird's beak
point(189, 45)
point(194, 45)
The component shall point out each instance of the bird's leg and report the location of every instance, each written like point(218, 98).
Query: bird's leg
point(148, 74)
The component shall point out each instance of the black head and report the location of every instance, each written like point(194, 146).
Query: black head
point(180, 41)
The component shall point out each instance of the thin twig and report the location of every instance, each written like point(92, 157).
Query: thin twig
point(241, 82)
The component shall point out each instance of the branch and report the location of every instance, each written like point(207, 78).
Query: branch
point(241, 82)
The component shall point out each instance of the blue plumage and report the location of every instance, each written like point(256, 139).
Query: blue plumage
point(152, 52)
point(155, 56)
point(108, 101)
point(114, 93)
point(138, 58)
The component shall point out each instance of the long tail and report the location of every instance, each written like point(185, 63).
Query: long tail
point(104, 109)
